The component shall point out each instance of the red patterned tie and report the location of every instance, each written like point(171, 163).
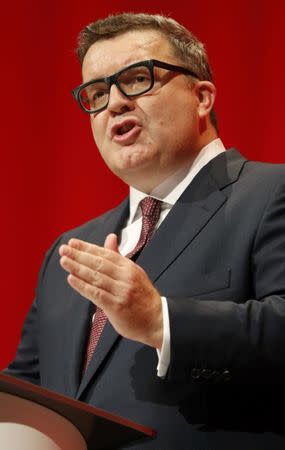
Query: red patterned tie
point(151, 208)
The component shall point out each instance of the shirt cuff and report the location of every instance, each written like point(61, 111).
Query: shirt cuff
point(164, 353)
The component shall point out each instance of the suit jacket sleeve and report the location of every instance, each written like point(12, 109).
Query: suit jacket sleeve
point(26, 364)
point(240, 339)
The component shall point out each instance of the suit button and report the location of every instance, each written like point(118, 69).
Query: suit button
point(227, 376)
point(216, 375)
point(207, 373)
point(196, 373)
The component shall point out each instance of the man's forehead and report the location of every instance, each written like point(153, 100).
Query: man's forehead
point(107, 56)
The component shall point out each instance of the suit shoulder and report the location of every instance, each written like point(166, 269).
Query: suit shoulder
point(84, 230)
point(88, 227)
point(266, 166)
point(268, 175)
point(85, 227)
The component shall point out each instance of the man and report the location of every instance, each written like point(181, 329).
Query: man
point(201, 291)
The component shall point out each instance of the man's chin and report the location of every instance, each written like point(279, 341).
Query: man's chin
point(134, 173)
point(131, 158)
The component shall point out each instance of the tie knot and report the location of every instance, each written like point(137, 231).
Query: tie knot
point(150, 207)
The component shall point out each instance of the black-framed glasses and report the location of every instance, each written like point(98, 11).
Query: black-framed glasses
point(133, 80)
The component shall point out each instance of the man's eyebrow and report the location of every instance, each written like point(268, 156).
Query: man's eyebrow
point(127, 63)
point(92, 78)
point(97, 77)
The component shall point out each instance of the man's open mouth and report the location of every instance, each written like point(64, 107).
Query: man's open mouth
point(125, 128)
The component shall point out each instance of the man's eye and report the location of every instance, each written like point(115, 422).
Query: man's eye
point(140, 78)
point(98, 94)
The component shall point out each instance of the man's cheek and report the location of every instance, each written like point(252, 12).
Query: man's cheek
point(97, 134)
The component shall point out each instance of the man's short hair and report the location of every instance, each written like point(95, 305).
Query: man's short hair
point(187, 48)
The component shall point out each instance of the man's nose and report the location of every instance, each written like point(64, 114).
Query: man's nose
point(118, 102)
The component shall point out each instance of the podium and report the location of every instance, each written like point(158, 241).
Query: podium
point(32, 417)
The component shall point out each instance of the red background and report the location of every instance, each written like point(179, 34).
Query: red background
point(51, 173)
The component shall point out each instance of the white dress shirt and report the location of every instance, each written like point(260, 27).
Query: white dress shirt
point(168, 192)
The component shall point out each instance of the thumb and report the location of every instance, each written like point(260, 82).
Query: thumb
point(111, 242)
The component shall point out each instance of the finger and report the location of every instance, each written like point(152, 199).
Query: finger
point(111, 242)
point(97, 296)
point(96, 263)
point(89, 276)
point(96, 250)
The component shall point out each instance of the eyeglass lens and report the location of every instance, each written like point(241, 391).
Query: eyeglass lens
point(132, 81)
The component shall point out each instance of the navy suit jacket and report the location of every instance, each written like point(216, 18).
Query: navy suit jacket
point(219, 258)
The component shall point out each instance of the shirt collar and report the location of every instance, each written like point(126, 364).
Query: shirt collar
point(171, 189)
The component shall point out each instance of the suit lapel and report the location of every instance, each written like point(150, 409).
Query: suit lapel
point(107, 342)
point(79, 310)
point(191, 213)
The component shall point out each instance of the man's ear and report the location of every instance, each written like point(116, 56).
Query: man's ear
point(206, 94)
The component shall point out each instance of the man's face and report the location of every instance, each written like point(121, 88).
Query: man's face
point(164, 121)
